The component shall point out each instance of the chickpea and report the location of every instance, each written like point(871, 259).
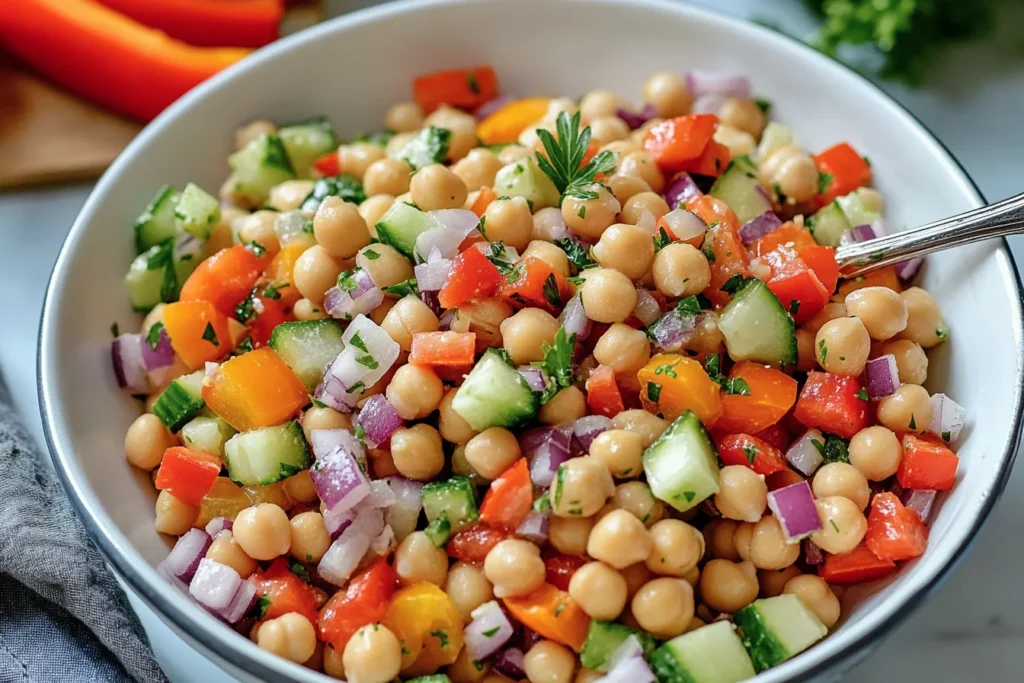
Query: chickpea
point(925, 324)
point(467, 588)
point(549, 662)
point(620, 451)
point(525, 334)
point(728, 586)
point(548, 225)
point(635, 207)
point(416, 451)
point(664, 607)
point(635, 497)
point(911, 360)
point(310, 539)
point(625, 187)
point(484, 317)
point(817, 596)
point(407, 317)
point(372, 655)
point(290, 635)
point(333, 665)
point(792, 172)
point(549, 254)
point(388, 269)
point(437, 187)
point(742, 538)
point(876, 452)
point(908, 409)
point(580, 487)
point(299, 488)
point(681, 270)
point(678, 547)
point(417, 559)
point(608, 296)
point(383, 464)
point(226, 550)
point(619, 539)
point(830, 312)
point(607, 129)
point(462, 127)
point(623, 349)
point(357, 157)
point(641, 165)
point(743, 114)
point(742, 493)
point(173, 517)
point(591, 217)
point(598, 103)
point(842, 346)
point(258, 227)
point(882, 311)
point(387, 176)
point(626, 248)
point(373, 209)
point(315, 272)
point(646, 424)
point(668, 93)
point(146, 441)
point(263, 531)
point(739, 142)
point(569, 535)
point(253, 130)
point(718, 538)
point(514, 567)
point(492, 451)
point(452, 426)
point(806, 358)
point(478, 169)
point(289, 195)
point(599, 590)
point(323, 418)
point(567, 405)
point(513, 153)
point(404, 117)
point(768, 547)
point(415, 391)
point(510, 221)
point(842, 479)
point(843, 525)
point(773, 581)
point(304, 309)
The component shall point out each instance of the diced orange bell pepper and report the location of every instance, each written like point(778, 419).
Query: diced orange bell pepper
point(712, 161)
point(822, 260)
point(795, 284)
point(472, 276)
point(472, 545)
point(772, 394)
point(427, 624)
point(675, 143)
point(486, 196)
point(281, 273)
point(509, 498)
point(726, 257)
point(534, 283)
point(713, 210)
point(364, 601)
point(443, 349)
point(286, 592)
point(927, 464)
point(672, 384)
point(507, 123)
point(857, 566)
point(211, 23)
point(831, 403)
point(462, 88)
point(749, 451)
point(603, 396)
point(225, 278)
point(198, 332)
point(894, 532)
point(551, 613)
point(883, 277)
point(559, 568)
point(225, 499)
point(256, 389)
point(788, 233)
point(186, 474)
point(847, 168)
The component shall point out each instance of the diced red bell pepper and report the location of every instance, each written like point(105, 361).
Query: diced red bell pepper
point(603, 395)
point(777, 435)
point(364, 601)
point(822, 260)
point(830, 402)
point(443, 349)
point(789, 234)
point(509, 498)
point(712, 161)
point(847, 168)
point(186, 474)
point(286, 592)
point(534, 283)
point(726, 257)
point(328, 164)
point(857, 566)
point(472, 544)
point(472, 276)
point(226, 278)
point(463, 88)
point(675, 143)
point(927, 464)
point(783, 478)
point(882, 277)
point(795, 284)
point(749, 451)
point(271, 313)
point(560, 567)
point(894, 532)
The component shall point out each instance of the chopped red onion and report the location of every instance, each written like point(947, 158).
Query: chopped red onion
point(546, 448)
point(863, 233)
point(348, 549)
point(813, 555)
point(491, 106)
point(685, 225)
point(432, 301)
point(647, 222)
point(347, 304)
point(129, 366)
point(759, 226)
point(369, 353)
point(803, 455)
point(921, 502)
point(534, 377)
point(404, 514)
point(324, 441)
point(339, 480)
point(552, 217)
point(881, 376)
point(504, 253)
point(708, 103)
point(794, 507)
point(337, 521)
point(384, 541)
point(445, 323)
point(489, 630)
point(906, 270)
point(673, 330)
point(241, 603)
point(680, 188)
point(534, 528)
point(214, 584)
point(331, 392)
point(381, 495)
point(379, 420)
point(700, 82)
point(631, 670)
point(630, 648)
point(188, 550)
point(431, 276)
point(647, 309)
point(574, 319)
point(511, 663)
point(453, 226)
point(587, 428)
point(636, 119)
point(217, 525)
point(948, 418)
point(159, 356)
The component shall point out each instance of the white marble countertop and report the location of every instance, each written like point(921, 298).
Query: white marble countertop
point(972, 628)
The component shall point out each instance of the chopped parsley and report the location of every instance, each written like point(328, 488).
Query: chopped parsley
point(794, 307)
point(542, 504)
point(115, 330)
point(945, 436)
point(735, 385)
point(576, 280)
point(834, 449)
point(763, 104)
point(863, 394)
point(733, 284)
point(689, 496)
point(557, 363)
point(822, 350)
point(559, 483)
point(562, 160)
point(480, 228)
point(245, 310)
point(709, 253)
point(653, 391)
point(442, 636)
point(551, 293)
point(491, 632)
point(474, 87)
point(661, 240)
point(244, 346)
point(689, 306)
point(941, 333)
point(514, 274)
point(834, 525)
point(347, 279)
point(357, 341)
point(299, 571)
point(371, 254)
point(582, 213)
point(558, 610)
point(913, 422)
point(824, 180)
point(404, 288)
point(318, 403)
point(153, 336)
point(668, 369)
point(259, 610)
point(499, 257)
point(576, 254)
point(368, 361)
point(358, 386)
point(273, 290)
point(751, 453)
point(210, 335)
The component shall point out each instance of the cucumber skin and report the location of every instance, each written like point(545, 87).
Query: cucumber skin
point(284, 469)
point(176, 406)
point(598, 645)
point(764, 650)
point(397, 225)
point(437, 502)
point(668, 669)
point(161, 209)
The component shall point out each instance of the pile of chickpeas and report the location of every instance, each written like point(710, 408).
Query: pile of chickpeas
point(646, 565)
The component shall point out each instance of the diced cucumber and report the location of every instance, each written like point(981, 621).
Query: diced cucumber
point(682, 465)
point(308, 346)
point(402, 224)
point(156, 224)
point(828, 225)
point(259, 166)
point(775, 629)
point(305, 141)
point(604, 637)
point(346, 187)
point(523, 178)
point(439, 531)
point(197, 212)
point(709, 654)
point(494, 394)
point(432, 678)
point(739, 187)
point(151, 278)
point(453, 500)
point(186, 254)
point(207, 434)
point(267, 455)
point(774, 137)
point(180, 401)
point(856, 208)
point(756, 327)
point(430, 146)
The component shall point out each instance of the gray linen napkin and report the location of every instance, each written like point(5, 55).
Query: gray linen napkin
point(63, 616)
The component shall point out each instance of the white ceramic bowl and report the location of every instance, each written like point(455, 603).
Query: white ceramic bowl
point(351, 69)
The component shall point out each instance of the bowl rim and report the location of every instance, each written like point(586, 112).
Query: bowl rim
point(211, 639)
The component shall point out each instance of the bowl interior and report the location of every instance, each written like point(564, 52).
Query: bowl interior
point(351, 69)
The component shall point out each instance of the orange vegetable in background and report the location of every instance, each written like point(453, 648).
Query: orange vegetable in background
point(106, 57)
point(789, 233)
point(281, 271)
point(507, 123)
point(749, 451)
point(463, 88)
point(252, 23)
point(713, 210)
point(486, 196)
point(671, 384)
point(225, 278)
point(551, 613)
point(726, 257)
point(256, 389)
point(772, 394)
point(712, 161)
point(674, 143)
point(198, 332)
point(534, 283)
point(186, 474)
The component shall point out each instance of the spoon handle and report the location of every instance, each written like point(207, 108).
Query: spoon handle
point(995, 220)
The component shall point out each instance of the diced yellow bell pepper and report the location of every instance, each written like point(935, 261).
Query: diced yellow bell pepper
point(671, 384)
point(428, 625)
point(225, 499)
point(256, 389)
point(507, 123)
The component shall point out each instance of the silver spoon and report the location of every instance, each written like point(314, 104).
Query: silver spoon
point(995, 220)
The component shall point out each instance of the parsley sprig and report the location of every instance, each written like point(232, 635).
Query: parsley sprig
point(734, 385)
point(557, 364)
point(563, 157)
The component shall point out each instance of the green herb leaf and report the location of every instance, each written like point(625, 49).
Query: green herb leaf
point(582, 213)
point(299, 571)
point(689, 306)
point(941, 333)
point(689, 496)
point(471, 81)
point(794, 307)
point(733, 284)
point(709, 253)
point(559, 483)
point(244, 346)
point(653, 391)
point(551, 293)
point(913, 422)
point(713, 365)
point(661, 240)
point(576, 254)
point(371, 254)
point(115, 330)
point(514, 274)
point(357, 341)
point(256, 248)
point(273, 290)
point(751, 453)
point(480, 228)
point(667, 369)
point(835, 449)
point(404, 288)
point(368, 361)
point(442, 636)
point(559, 608)
point(563, 157)
point(863, 395)
point(259, 610)
point(245, 310)
point(499, 257)
point(491, 631)
point(153, 336)
point(542, 504)
point(736, 385)
point(210, 335)
point(557, 363)
point(824, 180)
point(763, 104)
point(834, 525)
point(945, 436)
point(822, 350)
